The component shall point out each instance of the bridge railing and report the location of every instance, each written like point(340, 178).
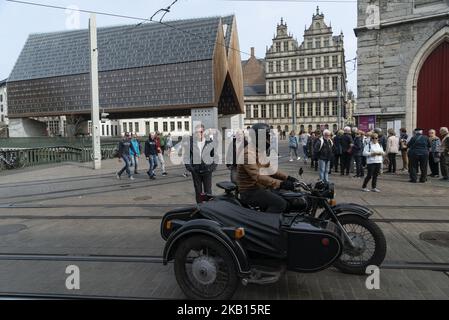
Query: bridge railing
point(27, 157)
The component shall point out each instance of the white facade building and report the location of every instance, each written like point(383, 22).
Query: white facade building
point(313, 71)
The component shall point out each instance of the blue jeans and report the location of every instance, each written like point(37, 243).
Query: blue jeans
point(152, 160)
point(324, 170)
point(134, 162)
point(126, 160)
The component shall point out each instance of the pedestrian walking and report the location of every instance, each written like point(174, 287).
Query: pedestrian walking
point(357, 152)
point(169, 143)
point(200, 150)
point(124, 148)
point(444, 155)
point(346, 143)
point(434, 154)
point(392, 150)
point(403, 139)
point(323, 150)
point(293, 145)
point(374, 157)
point(418, 154)
point(160, 152)
point(151, 153)
point(135, 155)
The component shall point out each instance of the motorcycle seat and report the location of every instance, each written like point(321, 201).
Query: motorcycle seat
point(227, 186)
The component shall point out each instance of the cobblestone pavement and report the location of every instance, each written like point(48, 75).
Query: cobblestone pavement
point(69, 209)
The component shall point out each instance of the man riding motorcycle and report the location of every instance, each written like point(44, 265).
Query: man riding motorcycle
point(256, 188)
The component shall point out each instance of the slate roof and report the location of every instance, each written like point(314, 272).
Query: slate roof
point(67, 53)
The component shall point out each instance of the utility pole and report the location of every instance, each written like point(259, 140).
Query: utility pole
point(294, 124)
point(96, 146)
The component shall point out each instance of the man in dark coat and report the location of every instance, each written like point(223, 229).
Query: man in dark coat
point(201, 162)
point(418, 153)
point(346, 144)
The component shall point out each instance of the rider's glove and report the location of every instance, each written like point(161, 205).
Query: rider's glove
point(291, 179)
point(287, 185)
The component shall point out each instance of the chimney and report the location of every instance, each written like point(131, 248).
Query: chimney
point(252, 52)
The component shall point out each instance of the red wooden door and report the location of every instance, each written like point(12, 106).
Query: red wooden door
point(433, 90)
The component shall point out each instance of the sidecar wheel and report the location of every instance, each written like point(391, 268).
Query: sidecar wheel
point(205, 269)
point(371, 242)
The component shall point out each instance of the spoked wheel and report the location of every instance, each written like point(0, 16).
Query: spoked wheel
point(205, 269)
point(370, 245)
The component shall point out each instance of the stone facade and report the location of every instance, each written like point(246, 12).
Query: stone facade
point(394, 39)
point(311, 75)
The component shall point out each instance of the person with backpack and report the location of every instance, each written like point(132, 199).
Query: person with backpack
point(374, 157)
point(323, 152)
point(293, 144)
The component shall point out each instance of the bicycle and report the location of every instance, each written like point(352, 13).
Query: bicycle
point(10, 160)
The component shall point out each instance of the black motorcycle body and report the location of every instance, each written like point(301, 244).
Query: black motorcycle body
point(223, 236)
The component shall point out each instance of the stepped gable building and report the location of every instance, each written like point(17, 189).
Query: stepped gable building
point(403, 63)
point(314, 70)
point(192, 68)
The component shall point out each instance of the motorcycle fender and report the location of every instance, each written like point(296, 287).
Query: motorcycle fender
point(343, 209)
point(212, 229)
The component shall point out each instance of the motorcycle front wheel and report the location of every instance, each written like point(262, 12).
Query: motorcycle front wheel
point(370, 245)
point(205, 269)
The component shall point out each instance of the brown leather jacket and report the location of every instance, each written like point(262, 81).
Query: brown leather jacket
point(249, 175)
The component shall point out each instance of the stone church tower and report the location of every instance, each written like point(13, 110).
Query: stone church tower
point(403, 63)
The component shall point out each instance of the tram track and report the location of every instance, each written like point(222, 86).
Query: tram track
point(391, 265)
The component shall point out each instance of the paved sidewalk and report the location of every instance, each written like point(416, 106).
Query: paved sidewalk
point(71, 209)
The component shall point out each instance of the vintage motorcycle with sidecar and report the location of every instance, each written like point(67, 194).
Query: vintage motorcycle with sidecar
point(221, 243)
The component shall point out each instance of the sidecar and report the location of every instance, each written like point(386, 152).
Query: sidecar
point(218, 244)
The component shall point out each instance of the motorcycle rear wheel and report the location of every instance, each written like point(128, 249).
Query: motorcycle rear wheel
point(216, 268)
point(357, 265)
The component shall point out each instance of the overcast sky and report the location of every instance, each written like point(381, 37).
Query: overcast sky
point(256, 21)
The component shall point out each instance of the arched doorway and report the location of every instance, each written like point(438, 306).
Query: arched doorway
point(433, 90)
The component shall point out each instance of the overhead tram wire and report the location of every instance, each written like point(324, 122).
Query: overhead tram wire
point(165, 10)
point(142, 20)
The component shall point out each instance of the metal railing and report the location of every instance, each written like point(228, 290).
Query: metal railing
point(27, 157)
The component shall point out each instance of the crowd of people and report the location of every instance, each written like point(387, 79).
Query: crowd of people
point(370, 154)
point(130, 150)
point(364, 154)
